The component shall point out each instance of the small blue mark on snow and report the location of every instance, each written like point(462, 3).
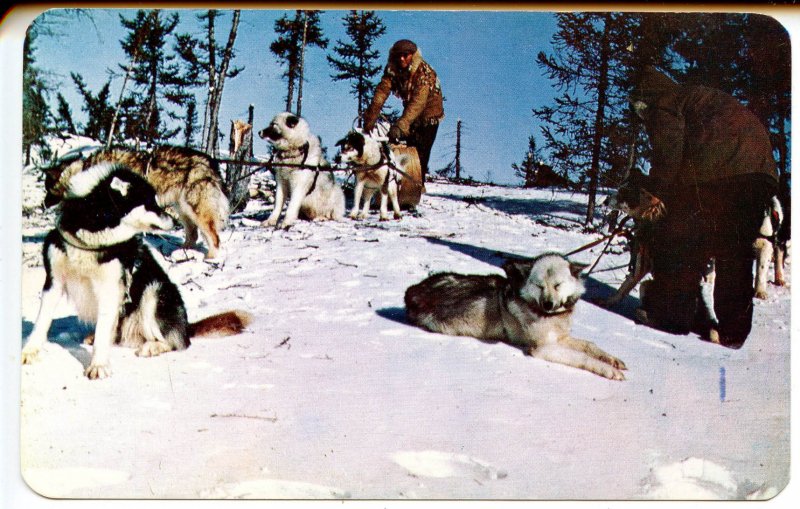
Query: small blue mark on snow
point(722, 387)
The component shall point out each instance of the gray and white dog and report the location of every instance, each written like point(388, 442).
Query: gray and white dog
point(312, 194)
point(531, 308)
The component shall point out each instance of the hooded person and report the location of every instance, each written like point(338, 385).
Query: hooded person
point(712, 165)
point(415, 83)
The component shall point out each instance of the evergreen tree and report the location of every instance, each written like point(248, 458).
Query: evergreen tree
point(35, 113)
point(190, 120)
point(97, 107)
point(295, 34)
point(209, 63)
point(357, 59)
point(157, 82)
point(63, 120)
point(530, 163)
point(586, 67)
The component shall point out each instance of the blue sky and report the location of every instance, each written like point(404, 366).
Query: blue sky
point(485, 60)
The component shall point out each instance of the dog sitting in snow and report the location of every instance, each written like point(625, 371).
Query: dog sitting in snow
point(97, 257)
point(531, 307)
point(380, 167)
point(312, 194)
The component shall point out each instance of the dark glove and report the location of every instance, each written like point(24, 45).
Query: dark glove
point(395, 134)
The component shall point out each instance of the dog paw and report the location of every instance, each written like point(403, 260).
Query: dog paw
point(98, 371)
point(89, 340)
point(761, 294)
point(779, 282)
point(617, 363)
point(616, 374)
point(269, 222)
point(152, 348)
point(398, 216)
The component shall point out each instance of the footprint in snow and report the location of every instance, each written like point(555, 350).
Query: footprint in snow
point(274, 489)
point(439, 464)
point(701, 479)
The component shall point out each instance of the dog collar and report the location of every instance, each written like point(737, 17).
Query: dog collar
point(77, 243)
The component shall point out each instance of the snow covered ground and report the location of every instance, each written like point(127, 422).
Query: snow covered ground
point(331, 394)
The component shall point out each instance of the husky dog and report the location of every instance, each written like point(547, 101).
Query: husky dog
point(384, 162)
point(531, 308)
point(769, 245)
point(312, 194)
point(187, 182)
point(96, 256)
point(634, 200)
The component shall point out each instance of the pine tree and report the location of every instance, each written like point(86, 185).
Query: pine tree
point(97, 107)
point(294, 36)
point(35, 113)
point(588, 67)
point(190, 120)
point(357, 59)
point(209, 63)
point(63, 121)
point(157, 82)
point(527, 168)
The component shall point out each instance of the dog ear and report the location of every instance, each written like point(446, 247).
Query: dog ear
point(518, 271)
point(120, 186)
point(576, 268)
point(292, 121)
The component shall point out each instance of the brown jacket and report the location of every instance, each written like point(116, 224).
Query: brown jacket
point(699, 134)
point(419, 89)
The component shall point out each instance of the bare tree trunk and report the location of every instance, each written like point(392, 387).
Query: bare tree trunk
point(113, 126)
point(300, 70)
point(220, 83)
point(599, 121)
point(209, 132)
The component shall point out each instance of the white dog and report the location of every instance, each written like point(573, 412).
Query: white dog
point(313, 194)
point(384, 160)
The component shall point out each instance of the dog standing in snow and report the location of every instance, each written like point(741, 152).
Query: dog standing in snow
point(531, 308)
point(96, 256)
point(187, 182)
point(312, 194)
point(383, 162)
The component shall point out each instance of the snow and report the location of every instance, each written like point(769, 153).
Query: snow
point(330, 394)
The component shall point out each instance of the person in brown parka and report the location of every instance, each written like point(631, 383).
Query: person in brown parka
point(713, 167)
point(414, 81)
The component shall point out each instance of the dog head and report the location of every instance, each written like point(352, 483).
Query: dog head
point(633, 198)
point(351, 147)
point(549, 283)
point(57, 176)
point(108, 204)
point(286, 132)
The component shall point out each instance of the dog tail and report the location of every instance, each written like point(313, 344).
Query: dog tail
point(222, 324)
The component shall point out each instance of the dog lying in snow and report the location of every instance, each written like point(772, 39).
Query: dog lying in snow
point(312, 194)
point(531, 308)
point(384, 160)
point(96, 256)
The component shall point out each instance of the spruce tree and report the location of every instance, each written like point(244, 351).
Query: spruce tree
point(157, 83)
point(294, 36)
point(357, 59)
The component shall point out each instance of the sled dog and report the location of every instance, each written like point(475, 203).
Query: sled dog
point(312, 194)
point(187, 182)
point(96, 256)
point(531, 308)
point(634, 200)
point(384, 161)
